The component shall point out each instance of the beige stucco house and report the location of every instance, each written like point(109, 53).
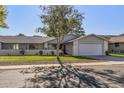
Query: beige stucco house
point(72, 45)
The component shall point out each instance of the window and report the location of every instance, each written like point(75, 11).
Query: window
point(116, 44)
point(51, 46)
point(32, 46)
point(7, 46)
point(23, 46)
point(38, 46)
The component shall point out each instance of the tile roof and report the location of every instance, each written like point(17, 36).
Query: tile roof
point(66, 39)
point(24, 39)
point(117, 39)
point(103, 38)
point(114, 38)
point(33, 39)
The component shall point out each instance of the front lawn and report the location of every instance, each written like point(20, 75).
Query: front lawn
point(117, 55)
point(39, 58)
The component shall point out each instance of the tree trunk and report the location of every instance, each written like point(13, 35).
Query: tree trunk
point(58, 55)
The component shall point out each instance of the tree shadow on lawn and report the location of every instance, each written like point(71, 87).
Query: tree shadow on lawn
point(71, 77)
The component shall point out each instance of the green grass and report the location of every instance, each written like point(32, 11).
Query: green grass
point(39, 58)
point(117, 55)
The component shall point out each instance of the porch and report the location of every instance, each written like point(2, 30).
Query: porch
point(28, 49)
point(28, 52)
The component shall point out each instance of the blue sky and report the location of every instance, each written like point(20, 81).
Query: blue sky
point(98, 19)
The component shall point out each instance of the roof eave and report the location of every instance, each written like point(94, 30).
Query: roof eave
point(89, 35)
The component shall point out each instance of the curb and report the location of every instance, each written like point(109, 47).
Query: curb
point(73, 64)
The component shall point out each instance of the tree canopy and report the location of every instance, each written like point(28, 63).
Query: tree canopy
point(59, 20)
point(3, 16)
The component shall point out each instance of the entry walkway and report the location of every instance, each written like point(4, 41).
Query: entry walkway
point(73, 64)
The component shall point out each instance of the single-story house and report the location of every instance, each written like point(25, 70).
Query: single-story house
point(72, 45)
point(116, 44)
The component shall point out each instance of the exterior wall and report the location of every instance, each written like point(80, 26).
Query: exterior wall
point(52, 46)
point(89, 40)
point(69, 48)
point(119, 48)
point(8, 46)
point(16, 46)
point(75, 48)
point(105, 46)
point(9, 52)
point(27, 52)
point(0, 46)
point(46, 45)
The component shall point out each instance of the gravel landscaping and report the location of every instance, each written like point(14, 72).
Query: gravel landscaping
point(69, 77)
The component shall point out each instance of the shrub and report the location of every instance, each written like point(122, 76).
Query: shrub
point(41, 52)
point(61, 53)
point(52, 53)
point(107, 53)
point(8, 54)
point(22, 52)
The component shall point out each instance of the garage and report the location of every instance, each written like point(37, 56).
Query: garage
point(90, 45)
point(90, 49)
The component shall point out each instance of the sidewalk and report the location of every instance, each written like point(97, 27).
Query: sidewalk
point(73, 64)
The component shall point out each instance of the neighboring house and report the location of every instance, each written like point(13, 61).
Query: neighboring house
point(71, 45)
point(116, 44)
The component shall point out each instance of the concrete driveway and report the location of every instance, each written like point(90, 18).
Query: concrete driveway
point(108, 58)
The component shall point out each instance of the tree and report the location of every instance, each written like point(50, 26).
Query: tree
point(3, 16)
point(60, 20)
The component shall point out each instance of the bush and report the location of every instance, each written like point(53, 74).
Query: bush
point(41, 52)
point(22, 52)
point(52, 53)
point(107, 53)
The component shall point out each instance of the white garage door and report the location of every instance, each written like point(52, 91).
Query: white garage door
point(90, 49)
